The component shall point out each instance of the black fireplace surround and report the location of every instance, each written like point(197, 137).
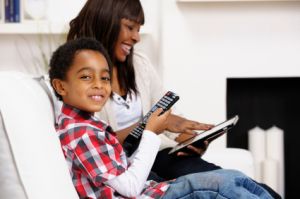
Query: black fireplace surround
point(265, 102)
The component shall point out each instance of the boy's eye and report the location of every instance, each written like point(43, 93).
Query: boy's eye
point(85, 77)
point(105, 79)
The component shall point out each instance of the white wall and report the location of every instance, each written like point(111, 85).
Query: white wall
point(195, 46)
point(203, 43)
point(150, 40)
point(25, 52)
point(22, 52)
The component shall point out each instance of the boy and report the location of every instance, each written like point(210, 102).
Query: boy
point(80, 73)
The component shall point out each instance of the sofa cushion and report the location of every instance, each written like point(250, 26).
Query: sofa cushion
point(29, 123)
point(231, 158)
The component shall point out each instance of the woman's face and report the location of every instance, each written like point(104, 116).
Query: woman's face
point(129, 35)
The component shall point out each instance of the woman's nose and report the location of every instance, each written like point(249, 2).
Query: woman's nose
point(136, 36)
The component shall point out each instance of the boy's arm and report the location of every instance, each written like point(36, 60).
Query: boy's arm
point(100, 155)
point(106, 164)
point(132, 181)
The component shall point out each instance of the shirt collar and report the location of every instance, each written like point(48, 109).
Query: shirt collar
point(76, 113)
point(81, 115)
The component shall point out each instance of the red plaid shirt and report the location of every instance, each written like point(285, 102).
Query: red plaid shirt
point(95, 156)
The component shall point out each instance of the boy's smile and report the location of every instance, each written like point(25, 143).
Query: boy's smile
point(87, 85)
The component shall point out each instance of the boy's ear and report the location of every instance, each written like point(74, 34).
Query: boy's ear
point(59, 86)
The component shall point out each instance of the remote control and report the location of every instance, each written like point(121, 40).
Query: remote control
point(133, 139)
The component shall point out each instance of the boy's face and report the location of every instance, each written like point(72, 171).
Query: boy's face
point(87, 85)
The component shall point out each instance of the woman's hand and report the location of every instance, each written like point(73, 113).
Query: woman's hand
point(177, 124)
point(195, 150)
point(187, 128)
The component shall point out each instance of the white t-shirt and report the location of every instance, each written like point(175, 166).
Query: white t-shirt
point(150, 90)
point(128, 111)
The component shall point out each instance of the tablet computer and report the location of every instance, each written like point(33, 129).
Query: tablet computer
point(208, 135)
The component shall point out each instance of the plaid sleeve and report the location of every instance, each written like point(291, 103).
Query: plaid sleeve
point(100, 156)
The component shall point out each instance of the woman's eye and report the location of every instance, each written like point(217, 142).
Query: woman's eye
point(130, 27)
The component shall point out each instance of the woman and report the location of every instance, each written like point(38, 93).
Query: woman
point(135, 84)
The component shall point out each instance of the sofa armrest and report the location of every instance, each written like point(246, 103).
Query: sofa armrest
point(39, 166)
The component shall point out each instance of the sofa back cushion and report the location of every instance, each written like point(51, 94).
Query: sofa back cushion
point(28, 121)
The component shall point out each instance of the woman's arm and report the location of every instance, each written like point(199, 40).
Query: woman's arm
point(175, 124)
point(122, 134)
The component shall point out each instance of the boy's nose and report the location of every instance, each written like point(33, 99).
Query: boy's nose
point(97, 83)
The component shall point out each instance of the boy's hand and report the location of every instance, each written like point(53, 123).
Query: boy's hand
point(157, 123)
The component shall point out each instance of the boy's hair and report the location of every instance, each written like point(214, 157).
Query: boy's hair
point(63, 57)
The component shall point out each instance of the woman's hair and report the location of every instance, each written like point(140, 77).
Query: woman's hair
point(101, 19)
point(63, 57)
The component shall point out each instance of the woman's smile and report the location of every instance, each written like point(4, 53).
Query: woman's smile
point(129, 35)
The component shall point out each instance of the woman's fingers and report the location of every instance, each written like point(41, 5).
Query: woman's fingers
point(195, 150)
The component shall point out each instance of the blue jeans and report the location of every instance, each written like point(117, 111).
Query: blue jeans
point(218, 184)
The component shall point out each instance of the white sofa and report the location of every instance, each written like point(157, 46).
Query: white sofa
point(32, 165)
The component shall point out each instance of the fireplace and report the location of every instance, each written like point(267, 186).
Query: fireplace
point(266, 102)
